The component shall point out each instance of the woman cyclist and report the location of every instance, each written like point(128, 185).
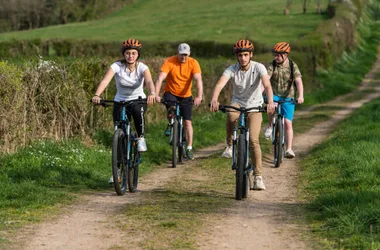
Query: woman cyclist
point(130, 76)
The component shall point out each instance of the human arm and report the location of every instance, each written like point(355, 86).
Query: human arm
point(149, 83)
point(158, 84)
point(103, 85)
point(214, 104)
point(269, 93)
point(299, 85)
point(199, 84)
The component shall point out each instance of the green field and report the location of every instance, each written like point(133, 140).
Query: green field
point(183, 20)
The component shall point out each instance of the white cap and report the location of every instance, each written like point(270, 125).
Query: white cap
point(184, 48)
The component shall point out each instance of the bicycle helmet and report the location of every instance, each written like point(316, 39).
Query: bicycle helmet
point(242, 46)
point(281, 48)
point(131, 44)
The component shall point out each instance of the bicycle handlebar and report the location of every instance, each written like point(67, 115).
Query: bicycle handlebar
point(104, 103)
point(224, 108)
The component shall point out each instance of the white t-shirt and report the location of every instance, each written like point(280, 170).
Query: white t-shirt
point(246, 84)
point(129, 85)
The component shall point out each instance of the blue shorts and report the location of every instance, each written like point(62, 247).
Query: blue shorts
point(287, 108)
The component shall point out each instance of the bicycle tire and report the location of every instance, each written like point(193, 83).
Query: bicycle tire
point(240, 168)
point(119, 168)
point(133, 166)
point(246, 186)
point(175, 143)
point(278, 145)
point(181, 147)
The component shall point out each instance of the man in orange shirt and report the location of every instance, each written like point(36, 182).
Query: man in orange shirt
point(178, 72)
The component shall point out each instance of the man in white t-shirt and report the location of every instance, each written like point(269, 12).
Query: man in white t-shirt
point(246, 77)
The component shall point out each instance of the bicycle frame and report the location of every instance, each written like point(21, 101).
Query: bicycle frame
point(177, 136)
point(240, 150)
point(278, 133)
point(124, 162)
point(176, 115)
point(278, 116)
point(243, 130)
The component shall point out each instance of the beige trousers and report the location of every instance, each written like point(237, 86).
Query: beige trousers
point(254, 124)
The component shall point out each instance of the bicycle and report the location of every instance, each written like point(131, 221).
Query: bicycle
point(177, 131)
point(241, 161)
point(125, 156)
point(278, 133)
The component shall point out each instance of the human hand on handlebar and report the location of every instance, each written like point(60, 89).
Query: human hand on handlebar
point(271, 108)
point(158, 99)
point(151, 99)
point(197, 101)
point(300, 100)
point(96, 99)
point(214, 105)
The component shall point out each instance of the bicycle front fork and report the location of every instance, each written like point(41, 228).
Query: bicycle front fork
point(247, 165)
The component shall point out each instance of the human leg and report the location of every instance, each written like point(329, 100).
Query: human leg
point(138, 113)
point(288, 112)
point(254, 123)
point(268, 130)
point(186, 111)
point(189, 132)
point(230, 122)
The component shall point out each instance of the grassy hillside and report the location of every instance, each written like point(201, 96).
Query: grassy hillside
point(178, 20)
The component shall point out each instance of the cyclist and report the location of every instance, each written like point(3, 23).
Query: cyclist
point(178, 72)
point(247, 78)
point(285, 89)
point(130, 76)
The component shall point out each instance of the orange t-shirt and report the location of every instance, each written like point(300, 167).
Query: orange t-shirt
point(179, 79)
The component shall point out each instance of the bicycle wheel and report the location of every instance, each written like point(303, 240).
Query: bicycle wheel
point(181, 146)
point(247, 180)
point(240, 168)
point(133, 166)
point(175, 143)
point(119, 170)
point(278, 145)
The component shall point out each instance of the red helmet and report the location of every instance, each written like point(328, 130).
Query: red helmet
point(281, 48)
point(131, 44)
point(243, 45)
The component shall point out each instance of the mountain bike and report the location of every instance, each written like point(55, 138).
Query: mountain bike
point(125, 156)
point(278, 133)
point(241, 161)
point(177, 137)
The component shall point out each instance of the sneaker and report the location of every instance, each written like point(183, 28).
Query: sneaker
point(141, 145)
point(167, 131)
point(289, 154)
point(111, 180)
point(258, 183)
point(268, 133)
point(189, 154)
point(227, 152)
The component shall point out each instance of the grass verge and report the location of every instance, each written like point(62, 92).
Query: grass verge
point(340, 181)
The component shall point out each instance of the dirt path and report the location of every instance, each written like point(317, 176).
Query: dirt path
point(270, 219)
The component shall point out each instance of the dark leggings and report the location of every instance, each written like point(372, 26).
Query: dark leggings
point(137, 112)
